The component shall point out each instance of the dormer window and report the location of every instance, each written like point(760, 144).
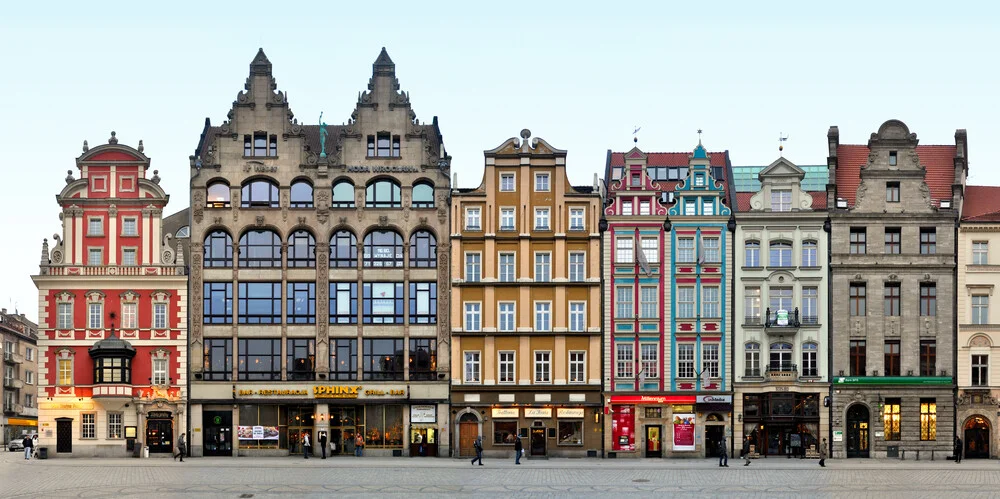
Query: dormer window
point(699, 180)
point(781, 200)
point(892, 158)
point(383, 145)
point(636, 180)
point(260, 145)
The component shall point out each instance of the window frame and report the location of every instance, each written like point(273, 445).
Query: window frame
point(423, 250)
point(218, 241)
point(377, 241)
point(372, 357)
point(980, 252)
point(472, 370)
point(473, 214)
point(543, 266)
point(980, 307)
point(339, 346)
point(624, 249)
point(625, 361)
point(213, 348)
point(251, 198)
point(256, 252)
point(506, 316)
point(577, 266)
point(928, 357)
point(577, 316)
point(294, 291)
point(928, 419)
point(891, 297)
point(506, 271)
point(245, 359)
point(347, 191)
point(351, 290)
point(979, 364)
point(512, 177)
point(508, 219)
point(781, 200)
point(373, 196)
point(301, 249)
point(858, 357)
point(577, 219)
point(297, 197)
point(928, 240)
point(423, 290)
point(473, 266)
point(473, 316)
point(542, 367)
point(421, 201)
point(892, 192)
point(368, 314)
point(751, 253)
point(858, 299)
point(543, 218)
point(543, 316)
point(543, 182)
point(296, 349)
point(577, 367)
point(781, 249)
point(685, 361)
point(858, 240)
point(893, 240)
point(338, 249)
point(252, 302)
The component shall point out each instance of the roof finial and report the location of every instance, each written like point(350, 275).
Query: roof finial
point(635, 137)
point(781, 139)
point(699, 136)
point(113, 139)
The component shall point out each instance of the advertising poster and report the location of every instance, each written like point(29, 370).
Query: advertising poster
point(683, 432)
point(383, 298)
point(257, 432)
point(623, 428)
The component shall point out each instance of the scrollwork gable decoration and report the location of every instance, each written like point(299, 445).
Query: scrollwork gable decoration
point(95, 296)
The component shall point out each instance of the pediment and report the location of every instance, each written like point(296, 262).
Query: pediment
point(781, 167)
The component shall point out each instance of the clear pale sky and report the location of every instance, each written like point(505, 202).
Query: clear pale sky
point(579, 74)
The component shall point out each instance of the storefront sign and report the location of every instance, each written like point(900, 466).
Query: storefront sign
point(623, 428)
point(683, 432)
point(838, 436)
point(534, 412)
point(893, 380)
point(653, 399)
point(715, 399)
point(336, 392)
point(382, 169)
point(21, 422)
point(422, 414)
point(272, 393)
point(505, 412)
point(159, 415)
point(326, 391)
point(569, 413)
point(81, 406)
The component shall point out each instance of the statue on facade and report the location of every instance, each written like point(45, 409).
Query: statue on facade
point(322, 136)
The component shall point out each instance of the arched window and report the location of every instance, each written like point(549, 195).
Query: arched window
point(809, 254)
point(423, 195)
point(218, 249)
point(383, 194)
point(218, 195)
point(383, 248)
point(809, 358)
point(343, 250)
point(183, 232)
point(781, 254)
point(259, 193)
point(752, 359)
point(302, 194)
point(781, 357)
point(752, 254)
point(343, 195)
point(301, 249)
point(423, 250)
point(260, 248)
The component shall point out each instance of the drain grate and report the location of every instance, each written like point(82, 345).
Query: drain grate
point(640, 480)
point(246, 496)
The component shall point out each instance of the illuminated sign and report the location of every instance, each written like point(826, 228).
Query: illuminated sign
point(530, 412)
point(569, 413)
point(505, 412)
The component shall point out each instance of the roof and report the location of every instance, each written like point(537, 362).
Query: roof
point(981, 204)
point(938, 162)
point(745, 177)
point(743, 200)
point(669, 158)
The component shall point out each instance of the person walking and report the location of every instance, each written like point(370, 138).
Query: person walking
point(359, 445)
point(822, 453)
point(322, 443)
point(518, 449)
point(478, 445)
point(29, 447)
point(958, 449)
point(181, 448)
point(746, 452)
point(723, 454)
point(306, 446)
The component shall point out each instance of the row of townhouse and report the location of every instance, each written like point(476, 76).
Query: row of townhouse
point(333, 281)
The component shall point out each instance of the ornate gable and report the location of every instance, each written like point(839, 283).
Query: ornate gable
point(700, 188)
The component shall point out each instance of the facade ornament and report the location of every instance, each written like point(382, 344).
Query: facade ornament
point(156, 177)
point(259, 221)
point(322, 136)
point(113, 140)
point(383, 220)
point(141, 147)
point(113, 211)
point(86, 147)
point(45, 253)
point(69, 177)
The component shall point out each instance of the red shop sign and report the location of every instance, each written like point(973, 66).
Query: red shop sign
point(652, 399)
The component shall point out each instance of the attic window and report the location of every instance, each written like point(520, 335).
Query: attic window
point(617, 172)
point(892, 158)
point(699, 180)
point(636, 180)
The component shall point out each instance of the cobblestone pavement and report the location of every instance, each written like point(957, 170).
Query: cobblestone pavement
point(350, 477)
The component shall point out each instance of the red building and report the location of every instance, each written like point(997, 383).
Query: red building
point(112, 313)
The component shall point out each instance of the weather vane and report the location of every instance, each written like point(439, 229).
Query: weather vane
point(635, 138)
point(699, 136)
point(781, 139)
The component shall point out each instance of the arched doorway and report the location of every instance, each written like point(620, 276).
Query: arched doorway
point(468, 431)
point(977, 438)
point(857, 431)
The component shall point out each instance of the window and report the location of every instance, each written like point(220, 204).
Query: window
point(160, 371)
point(649, 302)
point(577, 267)
point(423, 195)
point(472, 219)
point(928, 299)
point(507, 315)
point(623, 302)
point(892, 192)
point(113, 370)
point(343, 250)
point(260, 249)
point(543, 267)
point(343, 359)
point(423, 250)
point(980, 309)
point(690, 207)
point(473, 316)
point(29, 355)
point(781, 254)
point(218, 195)
point(130, 227)
point(301, 303)
point(543, 316)
point(64, 316)
point(260, 144)
point(781, 200)
point(183, 232)
point(858, 237)
point(752, 360)
point(751, 305)
point(507, 219)
point(506, 373)
point(423, 359)
point(980, 253)
point(114, 425)
point(780, 357)
point(892, 240)
point(218, 250)
point(218, 362)
point(928, 241)
point(710, 301)
point(383, 194)
point(130, 315)
point(95, 256)
point(892, 158)
point(383, 248)
point(95, 312)
point(891, 358)
point(809, 353)
point(383, 359)
point(301, 194)
point(752, 252)
point(95, 227)
point(301, 249)
point(891, 419)
point(472, 367)
point(644, 208)
point(128, 257)
point(685, 360)
point(300, 359)
point(576, 219)
point(371, 146)
point(780, 299)
point(577, 316)
point(891, 299)
point(858, 357)
point(685, 250)
point(29, 377)
point(810, 305)
point(259, 303)
point(383, 145)
point(649, 358)
point(707, 207)
point(543, 366)
point(88, 425)
point(506, 263)
point(577, 366)
point(541, 219)
point(710, 359)
point(625, 361)
point(685, 302)
point(65, 372)
point(383, 303)
point(699, 180)
point(623, 250)
point(650, 248)
point(980, 370)
point(809, 254)
point(636, 180)
point(343, 194)
point(857, 299)
point(541, 182)
point(928, 357)
point(627, 208)
point(423, 303)
point(710, 250)
point(473, 267)
point(259, 194)
point(928, 419)
point(504, 431)
point(506, 182)
point(343, 303)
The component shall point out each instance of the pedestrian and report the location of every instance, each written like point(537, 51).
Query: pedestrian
point(746, 452)
point(518, 449)
point(34, 445)
point(822, 453)
point(29, 447)
point(322, 442)
point(306, 447)
point(958, 449)
point(478, 445)
point(181, 448)
point(723, 454)
point(359, 445)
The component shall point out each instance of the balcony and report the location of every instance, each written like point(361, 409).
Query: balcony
point(8, 409)
point(782, 371)
point(16, 384)
point(29, 411)
point(782, 322)
point(13, 358)
point(116, 390)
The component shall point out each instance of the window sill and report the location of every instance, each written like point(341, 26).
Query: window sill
point(95, 235)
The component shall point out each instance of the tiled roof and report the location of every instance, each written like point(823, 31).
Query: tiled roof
point(982, 204)
point(938, 162)
point(819, 200)
point(669, 158)
point(743, 200)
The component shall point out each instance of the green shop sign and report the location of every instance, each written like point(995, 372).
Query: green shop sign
point(892, 380)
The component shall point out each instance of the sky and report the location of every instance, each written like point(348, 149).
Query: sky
point(582, 75)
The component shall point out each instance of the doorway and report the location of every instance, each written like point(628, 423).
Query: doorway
point(714, 435)
point(977, 438)
point(218, 433)
point(423, 442)
point(654, 441)
point(64, 435)
point(468, 431)
point(538, 441)
point(160, 435)
point(857, 431)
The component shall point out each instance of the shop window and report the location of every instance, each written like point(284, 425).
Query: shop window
point(383, 249)
point(383, 194)
point(301, 359)
point(301, 194)
point(218, 363)
point(115, 425)
point(259, 303)
point(301, 249)
point(343, 359)
point(260, 249)
point(218, 250)
point(423, 303)
point(928, 419)
point(504, 432)
point(259, 193)
point(570, 433)
point(384, 426)
point(383, 303)
point(266, 416)
point(423, 195)
point(218, 195)
point(423, 359)
point(890, 419)
point(751, 406)
point(343, 250)
point(217, 306)
point(343, 194)
point(259, 359)
point(343, 303)
point(383, 359)
point(423, 250)
point(301, 303)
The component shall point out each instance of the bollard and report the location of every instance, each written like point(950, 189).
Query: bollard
point(918, 455)
point(932, 454)
point(902, 455)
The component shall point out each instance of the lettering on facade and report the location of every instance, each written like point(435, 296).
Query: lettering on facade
point(336, 392)
point(380, 393)
point(258, 167)
point(382, 169)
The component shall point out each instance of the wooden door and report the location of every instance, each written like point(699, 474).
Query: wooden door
point(64, 435)
point(467, 433)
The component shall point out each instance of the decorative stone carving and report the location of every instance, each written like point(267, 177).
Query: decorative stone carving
point(383, 220)
point(980, 341)
point(197, 205)
point(259, 222)
point(112, 211)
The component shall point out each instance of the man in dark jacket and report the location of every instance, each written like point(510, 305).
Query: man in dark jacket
point(181, 448)
point(723, 454)
point(518, 448)
point(29, 446)
point(322, 442)
point(478, 445)
point(746, 452)
point(958, 450)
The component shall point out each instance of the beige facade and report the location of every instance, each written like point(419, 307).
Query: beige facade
point(19, 345)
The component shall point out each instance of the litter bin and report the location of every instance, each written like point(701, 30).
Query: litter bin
point(43, 453)
point(145, 451)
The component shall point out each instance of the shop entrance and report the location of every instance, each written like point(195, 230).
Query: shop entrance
point(218, 433)
point(713, 440)
point(654, 441)
point(538, 441)
point(857, 431)
point(64, 435)
point(300, 422)
point(977, 438)
point(468, 431)
point(343, 430)
point(423, 442)
point(159, 434)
